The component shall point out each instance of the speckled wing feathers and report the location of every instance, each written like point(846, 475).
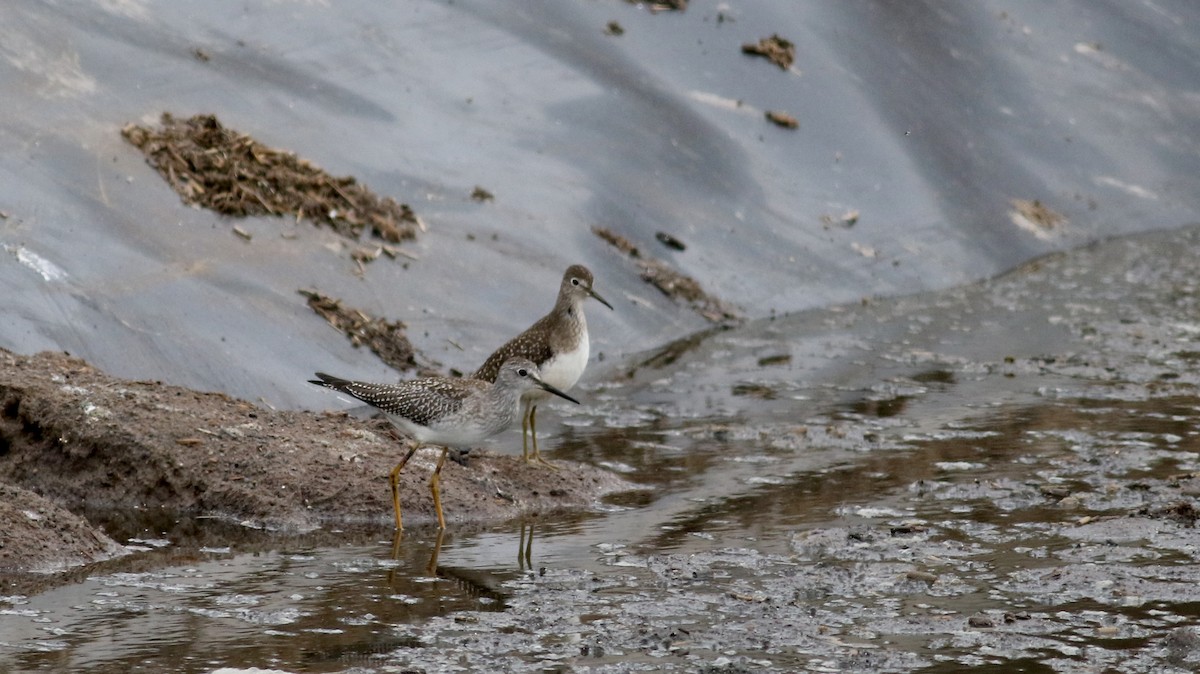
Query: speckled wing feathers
point(421, 401)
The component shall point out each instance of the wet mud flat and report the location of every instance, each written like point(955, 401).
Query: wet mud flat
point(1053, 542)
point(1003, 476)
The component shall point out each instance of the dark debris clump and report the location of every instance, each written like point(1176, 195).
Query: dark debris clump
point(673, 284)
point(1183, 512)
point(775, 49)
point(233, 174)
point(783, 119)
point(656, 6)
point(386, 338)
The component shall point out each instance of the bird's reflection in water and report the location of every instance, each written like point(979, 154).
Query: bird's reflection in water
point(474, 583)
point(525, 547)
point(431, 569)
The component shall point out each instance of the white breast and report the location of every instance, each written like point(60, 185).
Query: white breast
point(565, 368)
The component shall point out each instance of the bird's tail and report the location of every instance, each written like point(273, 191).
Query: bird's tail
point(330, 381)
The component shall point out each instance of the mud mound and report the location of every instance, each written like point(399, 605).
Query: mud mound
point(41, 536)
point(83, 439)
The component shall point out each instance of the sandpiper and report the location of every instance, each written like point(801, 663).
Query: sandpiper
point(447, 412)
point(557, 343)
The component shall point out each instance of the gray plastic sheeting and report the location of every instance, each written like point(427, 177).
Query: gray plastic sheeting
point(928, 118)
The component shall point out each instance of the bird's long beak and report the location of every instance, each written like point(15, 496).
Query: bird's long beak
point(603, 301)
point(555, 391)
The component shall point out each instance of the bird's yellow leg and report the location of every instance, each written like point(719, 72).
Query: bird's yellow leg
point(394, 481)
point(524, 431)
point(435, 487)
point(537, 456)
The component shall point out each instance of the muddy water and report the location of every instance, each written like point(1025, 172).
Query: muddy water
point(1002, 476)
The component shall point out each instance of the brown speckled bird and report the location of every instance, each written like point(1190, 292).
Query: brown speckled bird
point(447, 412)
point(557, 343)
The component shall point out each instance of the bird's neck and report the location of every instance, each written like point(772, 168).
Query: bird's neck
point(504, 399)
point(571, 310)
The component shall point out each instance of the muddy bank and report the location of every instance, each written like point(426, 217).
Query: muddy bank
point(73, 437)
point(41, 536)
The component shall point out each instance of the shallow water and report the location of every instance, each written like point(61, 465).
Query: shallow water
point(1001, 476)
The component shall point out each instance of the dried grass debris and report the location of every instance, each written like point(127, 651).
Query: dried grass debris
point(229, 172)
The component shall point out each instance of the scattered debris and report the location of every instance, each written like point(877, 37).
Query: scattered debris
point(981, 620)
point(235, 175)
point(672, 283)
point(669, 241)
point(363, 255)
point(480, 194)
point(752, 390)
point(847, 219)
point(921, 576)
point(1057, 491)
point(237, 229)
point(386, 339)
point(201, 55)
point(865, 251)
point(1035, 213)
point(613, 28)
point(779, 359)
point(775, 49)
point(657, 6)
point(780, 118)
point(1182, 512)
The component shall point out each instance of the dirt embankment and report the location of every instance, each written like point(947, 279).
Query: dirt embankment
point(74, 438)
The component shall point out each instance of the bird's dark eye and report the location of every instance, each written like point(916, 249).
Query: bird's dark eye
point(523, 372)
point(574, 281)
